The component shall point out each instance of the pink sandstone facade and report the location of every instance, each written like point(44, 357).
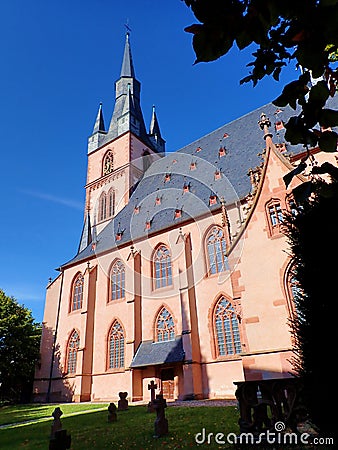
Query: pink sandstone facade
point(194, 301)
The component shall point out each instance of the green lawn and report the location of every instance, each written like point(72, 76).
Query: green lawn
point(21, 413)
point(134, 428)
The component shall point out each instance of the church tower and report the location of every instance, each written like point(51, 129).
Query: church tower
point(119, 155)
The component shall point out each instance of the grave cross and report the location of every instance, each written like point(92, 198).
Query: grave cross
point(152, 386)
point(161, 423)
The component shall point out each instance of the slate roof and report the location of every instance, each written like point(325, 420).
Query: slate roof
point(243, 148)
point(151, 353)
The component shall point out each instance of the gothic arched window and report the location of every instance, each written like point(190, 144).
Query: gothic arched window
point(162, 271)
point(216, 250)
point(108, 163)
point(72, 349)
point(116, 346)
point(77, 293)
point(110, 203)
point(226, 329)
point(165, 327)
point(117, 280)
point(275, 217)
point(103, 206)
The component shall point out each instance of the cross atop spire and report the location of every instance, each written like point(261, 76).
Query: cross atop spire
point(128, 29)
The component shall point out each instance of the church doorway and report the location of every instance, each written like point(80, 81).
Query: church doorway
point(168, 383)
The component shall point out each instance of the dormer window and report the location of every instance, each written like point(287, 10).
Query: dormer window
point(167, 177)
point(178, 213)
point(193, 165)
point(221, 151)
point(198, 149)
point(158, 200)
point(217, 175)
point(186, 187)
point(212, 200)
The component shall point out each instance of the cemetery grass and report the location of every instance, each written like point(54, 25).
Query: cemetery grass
point(134, 428)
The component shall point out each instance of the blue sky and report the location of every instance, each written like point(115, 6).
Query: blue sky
point(59, 60)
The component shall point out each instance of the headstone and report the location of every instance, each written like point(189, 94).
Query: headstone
point(56, 425)
point(123, 402)
point(152, 386)
point(59, 439)
point(161, 423)
point(112, 416)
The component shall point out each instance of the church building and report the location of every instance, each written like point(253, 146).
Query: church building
point(182, 274)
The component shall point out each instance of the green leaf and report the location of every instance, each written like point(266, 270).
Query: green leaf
point(328, 141)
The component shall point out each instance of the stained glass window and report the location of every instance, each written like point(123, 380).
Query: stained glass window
point(216, 249)
point(73, 347)
point(165, 329)
point(226, 328)
point(77, 297)
point(162, 267)
point(117, 278)
point(116, 346)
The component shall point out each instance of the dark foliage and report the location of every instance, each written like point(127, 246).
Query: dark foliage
point(19, 350)
point(304, 32)
point(314, 245)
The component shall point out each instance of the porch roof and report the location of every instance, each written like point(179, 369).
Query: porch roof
point(151, 353)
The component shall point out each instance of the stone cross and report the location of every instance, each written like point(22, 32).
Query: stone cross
point(123, 402)
point(56, 426)
point(161, 423)
point(152, 386)
point(112, 416)
point(59, 439)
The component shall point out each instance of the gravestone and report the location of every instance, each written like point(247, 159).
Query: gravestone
point(161, 423)
point(123, 402)
point(56, 425)
point(152, 386)
point(112, 416)
point(59, 439)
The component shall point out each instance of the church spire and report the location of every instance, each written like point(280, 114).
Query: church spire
point(99, 132)
point(99, 123)
point(154, 126)
point(127, 69)
point(86, 236)
point(155, 133)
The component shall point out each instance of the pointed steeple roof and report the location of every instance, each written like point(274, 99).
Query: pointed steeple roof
point(127, 69)
point(86, 236)
point(99, 122)
point(155, 133)
point(154, 126)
